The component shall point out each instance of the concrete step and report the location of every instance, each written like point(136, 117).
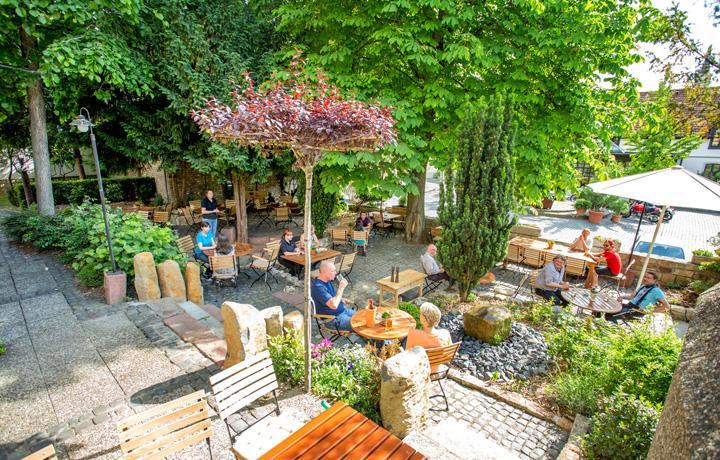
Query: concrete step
point(204, 317)
point(195, 325)
point(462, 441)
point(429, 447)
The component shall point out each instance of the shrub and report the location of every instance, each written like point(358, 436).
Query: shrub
point(412, 310)
point(577, 393)
point(77, 191)
point(700, 286)
point(286, 352)
point(623, 428)
point(582, 203)
point(703, 253)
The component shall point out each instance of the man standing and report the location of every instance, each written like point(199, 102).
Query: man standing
point(549, 283)
point(329, 302)
point(432, 269)
point(209, 210)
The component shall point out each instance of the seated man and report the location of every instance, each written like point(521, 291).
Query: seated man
point(329, 302)
point(613, 263)
point(549, 283)
point(288, 246)
point(582, 243)
point(432, 269)
point(648, 294)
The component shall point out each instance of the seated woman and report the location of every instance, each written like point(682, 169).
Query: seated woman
point(367, 222)
point(288, 246)
point(224, 248)
point(583, 242)
point(428, 336)
point(360, 228)
point(205, 241)
point(613, 264)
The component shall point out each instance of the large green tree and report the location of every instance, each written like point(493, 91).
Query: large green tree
point(431, 59)
point(477, 196)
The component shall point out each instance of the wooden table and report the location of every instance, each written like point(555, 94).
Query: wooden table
point(402, 322)
point(338, 433)
point(603, 303)
point(244, 249)
point(314, 256)
point(408, 279)
point(386, 215)
point(521, 243)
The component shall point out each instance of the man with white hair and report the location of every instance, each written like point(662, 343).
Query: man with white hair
point(327, 300)
point(432, 269)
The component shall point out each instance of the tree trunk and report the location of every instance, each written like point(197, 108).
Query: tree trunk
point(38, 130)
point(79, 168)
point(238, 181)
point(415, 219)
point(27, 189)
point(307, 222)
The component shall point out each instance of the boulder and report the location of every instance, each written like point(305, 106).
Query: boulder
point(273, 321)
point(146, 278)
point(489, 323)
point(245, 332)
point(171, 280)
point(193, 285)
point(293, 320)
point(405, 392)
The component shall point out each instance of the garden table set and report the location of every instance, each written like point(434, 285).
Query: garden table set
point(603, 302)
point(402, 322)
point(407, 280)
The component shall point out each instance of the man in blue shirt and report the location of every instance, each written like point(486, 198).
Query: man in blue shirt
point(648, 294)
point(327, 300)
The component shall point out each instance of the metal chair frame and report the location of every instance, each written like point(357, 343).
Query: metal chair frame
point(430, 285)
point(343, 266)
point(322, 324)
point(442, 356)
point(263, 211)
point(273, 250)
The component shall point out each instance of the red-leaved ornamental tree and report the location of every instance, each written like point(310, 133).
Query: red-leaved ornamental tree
point(307, 115)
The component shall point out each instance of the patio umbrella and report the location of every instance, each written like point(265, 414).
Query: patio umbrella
point(673, 186)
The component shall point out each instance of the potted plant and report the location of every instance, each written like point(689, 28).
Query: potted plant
point(581, 206)
point(547, 203)
point(701, 256)
point(550, 244)
point(598, 203)
point(618, 206)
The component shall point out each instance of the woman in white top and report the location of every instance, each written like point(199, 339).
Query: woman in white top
point(583, 243)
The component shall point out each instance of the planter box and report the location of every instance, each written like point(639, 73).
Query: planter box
point(525, 230)
point(701, 259)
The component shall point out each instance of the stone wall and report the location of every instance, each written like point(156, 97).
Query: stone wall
point(690, 421)
point(668, 270)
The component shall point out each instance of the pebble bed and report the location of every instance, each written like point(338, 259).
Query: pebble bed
point(523, 355)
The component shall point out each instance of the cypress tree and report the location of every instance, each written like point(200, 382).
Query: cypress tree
point(476, 196)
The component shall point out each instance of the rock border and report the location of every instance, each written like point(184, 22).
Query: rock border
point(512, 399)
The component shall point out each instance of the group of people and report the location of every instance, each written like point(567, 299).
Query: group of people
point(550, 282)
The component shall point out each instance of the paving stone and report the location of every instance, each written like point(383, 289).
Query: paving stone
point(194, 310)
point(188, 328)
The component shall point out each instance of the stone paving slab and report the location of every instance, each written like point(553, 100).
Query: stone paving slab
point(213, 311)
point(45, 306)
point(194, 310)
point(188, 328)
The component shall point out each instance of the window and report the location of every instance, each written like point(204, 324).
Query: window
point(712, 171)
point(714, 139)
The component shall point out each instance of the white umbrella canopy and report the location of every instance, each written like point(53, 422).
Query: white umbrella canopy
point(673, 186)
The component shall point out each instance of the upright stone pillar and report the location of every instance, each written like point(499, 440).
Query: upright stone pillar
point(273, 321)
point(146, 279)
point(405, 392)
point(244, 332)
point(171, 280)
point(194, 288)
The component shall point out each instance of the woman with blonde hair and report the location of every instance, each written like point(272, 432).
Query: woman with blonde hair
point(429, 336)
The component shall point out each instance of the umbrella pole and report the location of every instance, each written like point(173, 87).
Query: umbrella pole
point(652, 243)
point(637, 236)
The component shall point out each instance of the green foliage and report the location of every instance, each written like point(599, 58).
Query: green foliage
point(601, 359)
point(323, 204)
point(116, 189)
point(623, 428)
point(2, 348)
point(477, 196)
point(700, 286)
point(654, 141)
point(618, 205)
point(703, 253)
point(595, 201)
point(287, 354)
point(412, 310)
point(582, 203)
point(349, 374)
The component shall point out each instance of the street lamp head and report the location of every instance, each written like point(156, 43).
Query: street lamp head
point(82, 123)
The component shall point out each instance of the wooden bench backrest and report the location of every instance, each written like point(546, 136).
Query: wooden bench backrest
point(161, 217)
point(167, 428)
point(282, 212)
point(143, 214)
point(533, 257)
point(574, 266)
point(358, 235)
point(195, 204)
point(185, 244)
point(223, 262)
point(442, 355)
point(243, 383)
point(46, 453)
point(347, 262)
point(338, 235)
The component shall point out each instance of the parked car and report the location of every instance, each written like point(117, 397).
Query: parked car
point(660, 249)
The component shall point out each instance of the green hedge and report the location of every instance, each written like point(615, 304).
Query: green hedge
point(75, 191)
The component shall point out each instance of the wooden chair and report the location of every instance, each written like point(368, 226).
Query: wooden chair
point(382, 226)
point(186, 245)
point(167, 428)
point(528, 281)
point(618, 280)
point(263, 212)
point(440, 358)
point(402, 212)
point(229, 214)
point(143, 214)
point(436, 232)
point(193, 221)
point(360, 235)
point(195, 205)
point(327, 330)
point(161, 218)
point(347, 262)
point(533, 257)
point(223, 268)
point(574, 266)
point(262, 265)
point(282, 216)
point(46, 453)
point(242, 384)
point(339, 237)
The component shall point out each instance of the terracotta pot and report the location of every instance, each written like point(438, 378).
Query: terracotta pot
point(595, 216)
point(547, 203)
point(580, 211)
point(615, 218)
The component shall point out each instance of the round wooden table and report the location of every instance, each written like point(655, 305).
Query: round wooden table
point(401, 324)
point(604, 302)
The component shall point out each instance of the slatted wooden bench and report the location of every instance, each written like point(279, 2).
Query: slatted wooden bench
point(167, 428)
point(338, 433)
point(46, 453)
